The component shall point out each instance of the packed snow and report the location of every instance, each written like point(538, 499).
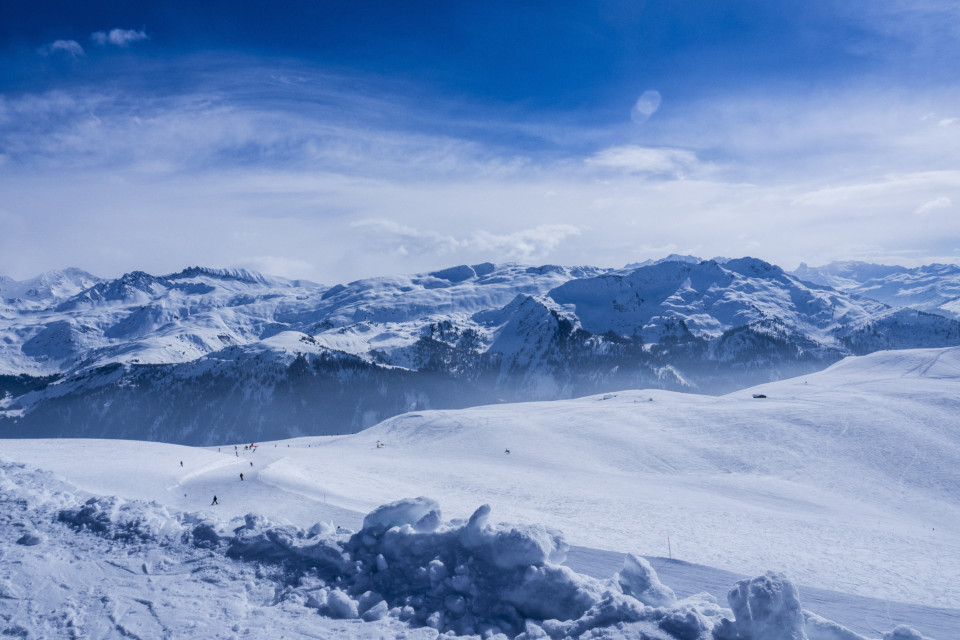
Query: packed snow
point(846, 480)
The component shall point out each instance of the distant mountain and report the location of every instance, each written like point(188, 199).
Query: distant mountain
point(934, 287)
point(52, 285)
point(207, 355)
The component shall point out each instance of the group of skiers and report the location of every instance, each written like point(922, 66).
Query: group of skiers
point(236, 451)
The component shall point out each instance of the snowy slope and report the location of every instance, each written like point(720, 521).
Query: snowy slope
point(77, 566)
point(845, 479)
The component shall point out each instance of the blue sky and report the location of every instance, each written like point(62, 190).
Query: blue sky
point(339, 140)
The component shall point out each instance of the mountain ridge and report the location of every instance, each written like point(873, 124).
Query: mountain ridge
point(122, 352)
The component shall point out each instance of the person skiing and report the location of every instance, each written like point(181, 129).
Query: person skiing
point(214, 501)
point(241, 477)
point(181, 463)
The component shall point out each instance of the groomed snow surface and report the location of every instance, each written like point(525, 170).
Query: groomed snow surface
point(847, 480)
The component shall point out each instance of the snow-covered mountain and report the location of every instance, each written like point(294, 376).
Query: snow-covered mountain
point(208, 355)
point(934, 288)
point(52, 285)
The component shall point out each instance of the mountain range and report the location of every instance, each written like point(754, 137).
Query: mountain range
point(213, 355)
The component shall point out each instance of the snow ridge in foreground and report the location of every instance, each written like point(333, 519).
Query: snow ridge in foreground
point(79, 566)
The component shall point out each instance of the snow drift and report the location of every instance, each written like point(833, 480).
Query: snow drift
point(407, 568)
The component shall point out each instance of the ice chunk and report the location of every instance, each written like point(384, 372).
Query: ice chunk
point(376, 612)
point(517, 546)
point(767, 608)
point(903, 632)
point(30, 539)
point(685, 623)
point(553, 592)
point(396, 514)
point(339, 605)
point(525, 545)
point(321, 529)
point(638, 579)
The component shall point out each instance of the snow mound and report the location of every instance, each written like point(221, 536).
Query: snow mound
point(299, 552)
point(118, 519)
point(767, 608)
point(408, 568)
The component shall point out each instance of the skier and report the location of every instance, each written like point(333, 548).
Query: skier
point(506, 451)
point(241, 477)
point(251, 463)
point(214, 501)
point(181, 463)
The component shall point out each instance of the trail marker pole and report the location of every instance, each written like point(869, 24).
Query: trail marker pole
point(669, 548)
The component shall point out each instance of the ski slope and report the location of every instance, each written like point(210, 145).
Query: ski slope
point(845, 480)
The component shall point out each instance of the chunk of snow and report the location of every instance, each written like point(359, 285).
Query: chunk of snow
point(638, 579)
point(30, 539)
point(340, 605)
point(408, 511)
point(767, 608)
point(903, 632)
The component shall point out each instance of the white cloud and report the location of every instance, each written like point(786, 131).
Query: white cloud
point(117, 37)
point(68, 47)
point(946, 122)
point(646, 105)
point(404, 240)
point(888, 189)
point(636, 159)
point(522, 246)
point(525, 245)
point(336, 179)
point(925, 209)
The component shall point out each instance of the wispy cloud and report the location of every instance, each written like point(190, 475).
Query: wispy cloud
point(636, 159)
point(929, 207)
point(118, 37)
point(401, 239)
point(349, 177)
point(522, 246)
point(71, 48)
point(525, 245)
